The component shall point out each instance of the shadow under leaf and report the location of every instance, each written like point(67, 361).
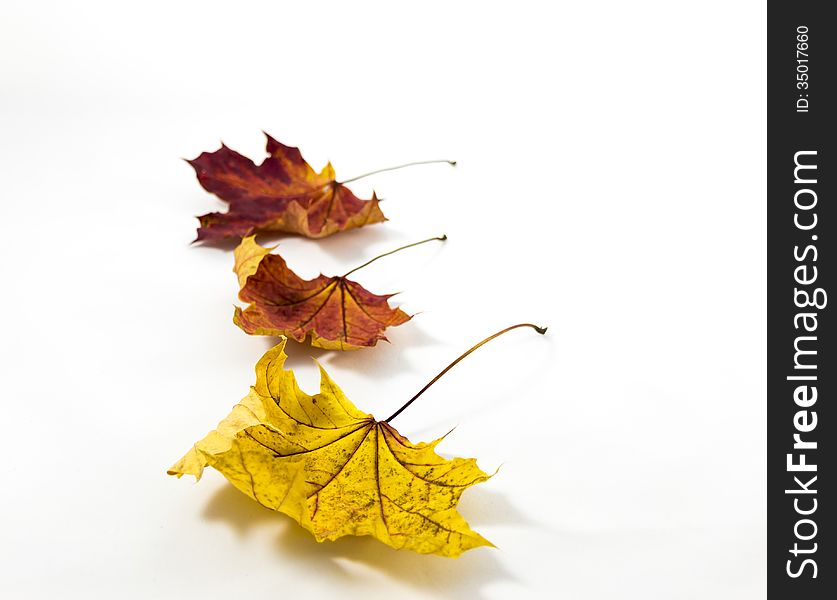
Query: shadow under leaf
point(439, 577)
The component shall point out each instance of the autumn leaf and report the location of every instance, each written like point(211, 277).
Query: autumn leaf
point(283, 193)
point(337, 470)
point(334, 468)
point(335, 313)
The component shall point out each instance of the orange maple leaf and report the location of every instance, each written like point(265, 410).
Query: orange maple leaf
point(335, 313)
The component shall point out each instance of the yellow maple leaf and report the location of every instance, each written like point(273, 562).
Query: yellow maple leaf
point(335, 469)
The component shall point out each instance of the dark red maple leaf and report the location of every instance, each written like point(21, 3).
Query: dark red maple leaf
point(282, 194)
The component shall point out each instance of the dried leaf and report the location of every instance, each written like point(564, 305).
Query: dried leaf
point(333, 312)
point(335, 469)
point(282, 194)
point(248, 255)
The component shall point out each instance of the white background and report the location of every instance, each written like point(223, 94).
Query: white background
point(610, 185)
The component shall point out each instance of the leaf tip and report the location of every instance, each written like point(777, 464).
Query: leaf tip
point(177, 473)
point(450, 431)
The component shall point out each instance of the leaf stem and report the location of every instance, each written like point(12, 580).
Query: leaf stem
point(540, 330)
point(420, 162)
point(441, 238)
